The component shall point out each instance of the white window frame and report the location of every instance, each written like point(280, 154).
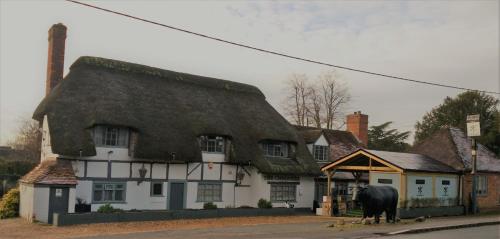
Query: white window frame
point(212, 144)
point(275, 149)
point(283, 192)
point(320, 152)
point(152, 189)
point(482, 185)
point(209, 192)
point(102, 187)
point(111, 136)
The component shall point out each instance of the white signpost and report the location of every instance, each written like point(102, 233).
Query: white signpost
point(473, 130)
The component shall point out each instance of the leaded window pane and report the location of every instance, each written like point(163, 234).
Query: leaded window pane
point(209, 192)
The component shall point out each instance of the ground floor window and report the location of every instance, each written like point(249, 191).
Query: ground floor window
point(283, 192)
point(482, 185)
point(108, 192)
point(156, 188)
point(209, 192)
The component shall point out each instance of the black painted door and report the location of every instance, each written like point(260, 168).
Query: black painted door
point(58, 201)
point(176, 196)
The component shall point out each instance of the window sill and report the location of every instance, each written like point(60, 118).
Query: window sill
point(110, 202)
point(157, 196)
point(218, 153)
point(109, 146)
point(207, 201)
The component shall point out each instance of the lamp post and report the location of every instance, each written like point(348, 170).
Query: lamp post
point(473, 130)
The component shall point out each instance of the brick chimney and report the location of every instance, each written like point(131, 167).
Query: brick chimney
point(357, 124)
point(55, 62)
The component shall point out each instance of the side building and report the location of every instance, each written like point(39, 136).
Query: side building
point(452, 147)
point(144, 138)
point(328, 145)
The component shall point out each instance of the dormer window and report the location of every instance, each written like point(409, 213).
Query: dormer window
point(275, 149)
point(212, 144)
point(111, 136)
point(320, 152)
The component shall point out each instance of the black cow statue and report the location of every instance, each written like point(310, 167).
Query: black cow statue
point(378, 199)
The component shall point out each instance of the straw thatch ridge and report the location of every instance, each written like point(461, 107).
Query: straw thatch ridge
point(169, 111)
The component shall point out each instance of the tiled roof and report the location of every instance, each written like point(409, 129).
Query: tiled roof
point(341, 142)
point(416, 162)
point(51, 171)
point(486, 160)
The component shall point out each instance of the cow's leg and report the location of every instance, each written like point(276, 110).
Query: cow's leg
point(377, 218)
point(388, 215)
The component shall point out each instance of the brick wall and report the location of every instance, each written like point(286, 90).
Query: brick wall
point(357, 124)
point(489, 201)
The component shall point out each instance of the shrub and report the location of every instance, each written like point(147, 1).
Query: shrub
point(263, 203)
point(107, 208)
point(9, 205)
point(209, 205)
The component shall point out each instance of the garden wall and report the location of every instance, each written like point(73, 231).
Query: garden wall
point(95, 217)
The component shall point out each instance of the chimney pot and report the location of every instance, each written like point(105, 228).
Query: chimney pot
point(55, 61)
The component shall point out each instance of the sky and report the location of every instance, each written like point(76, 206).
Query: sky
point(447, 42)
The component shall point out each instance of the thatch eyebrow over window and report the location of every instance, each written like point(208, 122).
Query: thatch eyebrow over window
point(212, 144)
point(110, 136)
point(275, 149)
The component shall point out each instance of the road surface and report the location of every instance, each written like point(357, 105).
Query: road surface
point(306, 230)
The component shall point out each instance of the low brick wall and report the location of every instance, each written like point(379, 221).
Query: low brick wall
point(430, 211)
point(95, 217)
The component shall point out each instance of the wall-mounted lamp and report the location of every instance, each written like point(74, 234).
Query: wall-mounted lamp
point(142, 174)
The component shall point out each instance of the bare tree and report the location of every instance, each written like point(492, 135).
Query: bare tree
point(315, 106)
point(335, 96)
point(296, 99)
point(28, 139)
point(319, 103)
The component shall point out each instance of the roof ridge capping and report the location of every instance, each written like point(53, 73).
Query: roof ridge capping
point(135, 68)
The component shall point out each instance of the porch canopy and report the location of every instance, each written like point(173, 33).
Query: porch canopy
point(363, 160)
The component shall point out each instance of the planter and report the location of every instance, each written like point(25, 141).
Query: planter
point(430, 211)
point(80, 208)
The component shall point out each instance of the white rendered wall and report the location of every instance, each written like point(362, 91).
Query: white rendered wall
point(46, 149)
point(72, 200)
point(136, 196)
point(374, 176)
point(41, 204)
point(26, 201)
point(415, 190)
point(212, 157)
point(321, 141)
point(451, 191)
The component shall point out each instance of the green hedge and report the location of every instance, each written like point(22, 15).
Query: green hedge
point(9, 205)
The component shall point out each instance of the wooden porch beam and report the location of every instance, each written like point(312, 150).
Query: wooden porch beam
point(365, 168)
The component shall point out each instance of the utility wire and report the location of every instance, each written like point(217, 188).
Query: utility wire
point(277, 53)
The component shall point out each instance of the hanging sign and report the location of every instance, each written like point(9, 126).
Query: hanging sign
point(473, 126)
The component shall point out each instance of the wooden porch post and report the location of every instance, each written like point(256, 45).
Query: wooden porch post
point(329, 189)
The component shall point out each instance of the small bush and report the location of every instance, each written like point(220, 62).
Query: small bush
point(9, 205)
point(107, 208)
point(245, 206)
point(209, 205)
point(263, 203)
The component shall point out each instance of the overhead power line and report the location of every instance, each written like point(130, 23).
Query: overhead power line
point(278, 53)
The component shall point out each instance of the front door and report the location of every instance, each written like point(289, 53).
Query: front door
point(58, 201)
point(176, 200)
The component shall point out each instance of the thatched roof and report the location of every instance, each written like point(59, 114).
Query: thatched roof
point(169, 111)
point(51, 171)
point(341, 142)
point(451, 146)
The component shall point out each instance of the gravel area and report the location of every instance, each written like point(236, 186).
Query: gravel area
point(19, 228)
